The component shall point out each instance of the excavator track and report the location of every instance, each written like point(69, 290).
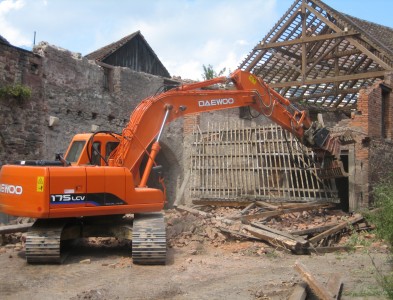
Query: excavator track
point(43, 242)
point(149, 239)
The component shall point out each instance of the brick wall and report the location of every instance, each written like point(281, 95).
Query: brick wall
point(190, 121)
point(373, 152)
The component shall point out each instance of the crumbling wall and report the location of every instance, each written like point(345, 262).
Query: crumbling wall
point(76, 93)
point(21, 125)
point(373, 150)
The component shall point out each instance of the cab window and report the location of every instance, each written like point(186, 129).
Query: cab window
point(110, 146)
point(96, 154)
point(75, 151)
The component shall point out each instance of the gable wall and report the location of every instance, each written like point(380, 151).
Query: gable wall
point(137, 56)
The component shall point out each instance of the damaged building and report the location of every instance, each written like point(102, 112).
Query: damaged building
point(336, 66)
point(333, 65)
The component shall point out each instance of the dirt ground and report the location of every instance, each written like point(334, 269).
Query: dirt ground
point(197, 268)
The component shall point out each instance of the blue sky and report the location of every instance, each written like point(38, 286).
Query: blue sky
point(185, 34)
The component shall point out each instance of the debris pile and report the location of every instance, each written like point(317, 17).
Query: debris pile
point(12, 235)
point(299, 228)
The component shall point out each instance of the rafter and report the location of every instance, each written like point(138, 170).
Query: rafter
point(337, 55)
point(324, 94)
point(319, 55)
point(330, 79)
point(304, 40)
point(277, 35)
point(326, 52)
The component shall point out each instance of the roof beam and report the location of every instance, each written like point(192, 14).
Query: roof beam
point(352, 40)
point(288, 62)
point(304, 53)
point(326, 94)
point(323, 55)
point(308, 39)
point(274, 38)
point(369, 53)
point(329, 79)
point(337, 55)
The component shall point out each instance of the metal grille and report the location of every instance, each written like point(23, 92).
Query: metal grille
point(234, 162)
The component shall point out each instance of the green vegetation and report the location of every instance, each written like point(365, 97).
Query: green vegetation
point(382, 217)
point(368, 291)
point(17, 91)
point(359, 239)
point(209, 73)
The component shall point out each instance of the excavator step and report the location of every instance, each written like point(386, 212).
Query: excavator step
point(149, 239)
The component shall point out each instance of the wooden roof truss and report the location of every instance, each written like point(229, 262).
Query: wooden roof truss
point(313, 55)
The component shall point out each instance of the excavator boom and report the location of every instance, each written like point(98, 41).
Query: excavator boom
point(248, 90)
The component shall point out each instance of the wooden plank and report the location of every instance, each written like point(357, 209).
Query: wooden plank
point(232, 203)
point(320, 291)
point(6, 229)
point(335, 229)
point(340, 78)
point(248, 207)
point(303, 242)
point(193, 211)
point(334, 285)
point(239, 214)
point(279, 212)
point(299, 292)
point(266, 205)
point(275, 239)
point(180, 193)
point(238, 234)
point(316, 229)
point(304, 40)
point(369, 54)
point(322, 250)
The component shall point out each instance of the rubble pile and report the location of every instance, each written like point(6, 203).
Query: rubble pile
point(299, 228)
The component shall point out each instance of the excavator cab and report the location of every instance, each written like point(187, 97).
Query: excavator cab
point(91, 149)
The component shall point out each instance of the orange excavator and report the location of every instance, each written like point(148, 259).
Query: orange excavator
point(101, 177)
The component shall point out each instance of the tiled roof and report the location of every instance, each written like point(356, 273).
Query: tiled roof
point(107, 50)
point(382, 35)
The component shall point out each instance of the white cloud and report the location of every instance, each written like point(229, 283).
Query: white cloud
point(8, 31)
point(184, 34)
point(188, 34)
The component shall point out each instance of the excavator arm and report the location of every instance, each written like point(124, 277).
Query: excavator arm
point(148, 119)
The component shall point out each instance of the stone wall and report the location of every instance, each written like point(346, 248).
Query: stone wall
point(21, 121)
point(75, 92)
point(68, 87)
point(71, 88)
